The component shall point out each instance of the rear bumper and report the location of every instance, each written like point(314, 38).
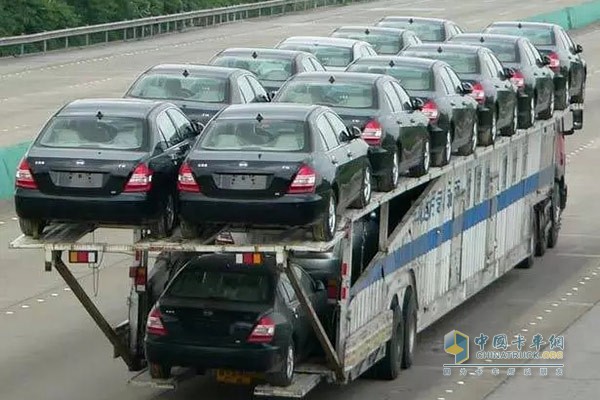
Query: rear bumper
point(287, 210)
point(260, 359)
point(124, 209)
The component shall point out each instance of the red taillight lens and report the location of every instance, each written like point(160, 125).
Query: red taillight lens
point(372, 133)
point(554, 61)
point(478, 93)
point(431, 111)
point(304, 182)
point(154, 325)
point(518, 79)
point(24, 177)
point(186, 181)
point(263, 332)
point(140, 181)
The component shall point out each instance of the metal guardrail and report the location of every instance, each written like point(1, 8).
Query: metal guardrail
point(151, 26)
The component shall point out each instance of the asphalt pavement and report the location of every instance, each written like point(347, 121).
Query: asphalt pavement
point(50, 349)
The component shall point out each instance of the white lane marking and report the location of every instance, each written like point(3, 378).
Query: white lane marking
point(24, 306)
point(461, 382)
point(54, 295)
point(539, 318)
point(9, 312)
point(40, 300)
point(584, 255)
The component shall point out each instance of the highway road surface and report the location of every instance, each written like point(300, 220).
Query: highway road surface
point(51, 350)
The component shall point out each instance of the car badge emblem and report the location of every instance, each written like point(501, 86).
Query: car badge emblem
point(243, 164)
point(207, 313)
point(80, 162)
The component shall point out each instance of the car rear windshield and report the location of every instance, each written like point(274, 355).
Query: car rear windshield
point(204, 89)
point(90, 132)
point(256, 134)
point(410, 77)
point(235, 286)
point(383, 44)
point(339, 94)
point(431, 31)
point(462, 63)
point(539, 36)
point(329, 56)
point(266, 69)
point(505, 52)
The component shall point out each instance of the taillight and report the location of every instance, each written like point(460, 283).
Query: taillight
point(518, 79)
point(478, 93)
point(431, 111)
point(554, 61)
point(332, 289)
point(154, 325)
point(186, 181)
point(372, 133)
point(140, 181)
point(305, 181)
point(263, 332)
point(24, 177)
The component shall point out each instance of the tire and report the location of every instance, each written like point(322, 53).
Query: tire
point(470, 147)
point(410, 330)
point(389, 181)
point(554, 217)
point(540, 238)
point(490, 137)
point(166, 222)
point(532, 114)
point(565, 99)
point(188, 230)
point(159, 371)
point(285, 375)
point(389, 367)
point(32, 227)
point(514, 125)
point(579, 98)
point(425, 162)
point(444, 157)
point(548, 112)
point(366, 189)
point(325, 229)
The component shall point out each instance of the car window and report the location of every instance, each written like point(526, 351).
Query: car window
point(181, 123)
point(528, 53)
point(316, 64)
point(446, 81)
point(166, 128)
point(307, 65)
point(381, 43)
point(404, 97)
point(487, 65)
point(392, 96)
point(339, 94)
point(338, 125)
point(267, 69)
point(463, 63)
point(566, 39)
point(329, 56)
point(288, 289)
point(410, 77)
point(456, 82)
point(245, 90)
point(306, 281)
point(539, 36)
point(327, 133)
point(411, 39)
point(431, 31)
point(258, 89)
point(536, 54)
point(496, 66)
point(188, 87)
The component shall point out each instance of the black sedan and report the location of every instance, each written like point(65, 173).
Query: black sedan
point(199, 90)
point(452, 112)
point(570, 69)
point(390, 122)
point(530, 72)
point(334, 53)
point(384, 40)
point(233, 313)
point(274, 165)
point(495, 94)
point(271, 66)
point(427, 29)
point(105, 161)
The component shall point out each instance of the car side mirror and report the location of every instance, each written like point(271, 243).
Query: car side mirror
point(264, 98)
point(319, 286)
point(271, 95)
point(197, 126)
point(355, 132)
point(578, 49)
point(546, 60)
point(466, 88)
point(417, 104)
point(508, 72)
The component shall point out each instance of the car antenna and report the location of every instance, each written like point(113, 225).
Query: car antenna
point(254, 55)
point(259, 117)
point(367, 31)
point(439, 49)
point(331, 79)
point(186, 73)
point(411, 20)
point(99, 115)
point(391, 63)
point(520, 25)
point(481, 39)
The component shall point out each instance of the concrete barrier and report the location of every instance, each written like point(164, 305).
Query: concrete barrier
point(573, 17)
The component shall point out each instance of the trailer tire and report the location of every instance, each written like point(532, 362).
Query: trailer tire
point(389, 367)
point(285, 375)
point(32, 227)
point(159, 371)
point(410, 330)
point(554, 217)
point(540, 233)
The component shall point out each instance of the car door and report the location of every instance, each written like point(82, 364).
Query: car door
point(352, 148)
point(295, 312)
point(542, 74)
point(575, 59)
point(166, 165)
point(505, 93)
point(398, 120)
point(462, 115)
point(416, 125)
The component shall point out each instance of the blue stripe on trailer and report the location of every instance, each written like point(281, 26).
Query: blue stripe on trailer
point(450, 229)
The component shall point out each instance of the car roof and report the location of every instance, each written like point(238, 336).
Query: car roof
point(490, 37)
point(196, 69)
point(269, 110)
point(260, 51)
point(408, 17)
point(372, 29)
point(124, 107)
point(342, 76)
point(523, 24)
point(323, 40)
point(466, 48)
point(404, 60)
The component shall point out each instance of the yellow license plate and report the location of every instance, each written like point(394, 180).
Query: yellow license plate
point(234, 377)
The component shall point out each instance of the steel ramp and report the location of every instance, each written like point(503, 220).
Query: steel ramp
point(301, 385)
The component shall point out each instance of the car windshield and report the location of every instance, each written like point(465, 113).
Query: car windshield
point(430, 31)
point(462, 63)
point(329, 56)
point(266, 69)
point(91, 132)
point(539, 36)
point(410, 77)
point(203, 89)
point(196, 283)
point(383, 44)
point(339, 94)
point(256, 134)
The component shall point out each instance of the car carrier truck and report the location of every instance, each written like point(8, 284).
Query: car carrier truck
point(441, 238)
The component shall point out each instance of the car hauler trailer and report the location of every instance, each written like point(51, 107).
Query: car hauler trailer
point(442, 238)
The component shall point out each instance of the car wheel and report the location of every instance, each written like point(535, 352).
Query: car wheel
point(579, 98)
point(324, 230)
point(470, 147)
point(555, 217)
point(547, 113)
point(164, 226)
point(565, 98)
point(410, 330)
point(285, 375)
point(389, 367)
point(160, 371)
point(188, 230)
point(366, 189)
point(32, 227)
point(490, 136)
point(514, 125)
point(443, 158)
point(389, 181)
point(532, 114)
point(425, 161)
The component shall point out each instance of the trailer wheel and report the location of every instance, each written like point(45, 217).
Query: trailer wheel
point(188, 230)
point(32, 227)
point(410, 330)
point(540, 233)
point(285, 375)
point(389, 367)
point(160, 371)
point(554, 217)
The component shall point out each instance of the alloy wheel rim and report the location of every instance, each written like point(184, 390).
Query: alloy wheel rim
point(552, 104)
point(474, 138)
point(395, 170)
point(332, 217)
point(567, 89)
point(289, 363)
point(448, 147)
point(426, 157)
point(516, 117)
point(532, 110)
point(367, 185)
point(494, 126)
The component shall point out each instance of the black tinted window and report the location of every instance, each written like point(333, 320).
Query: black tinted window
point(222, 285)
